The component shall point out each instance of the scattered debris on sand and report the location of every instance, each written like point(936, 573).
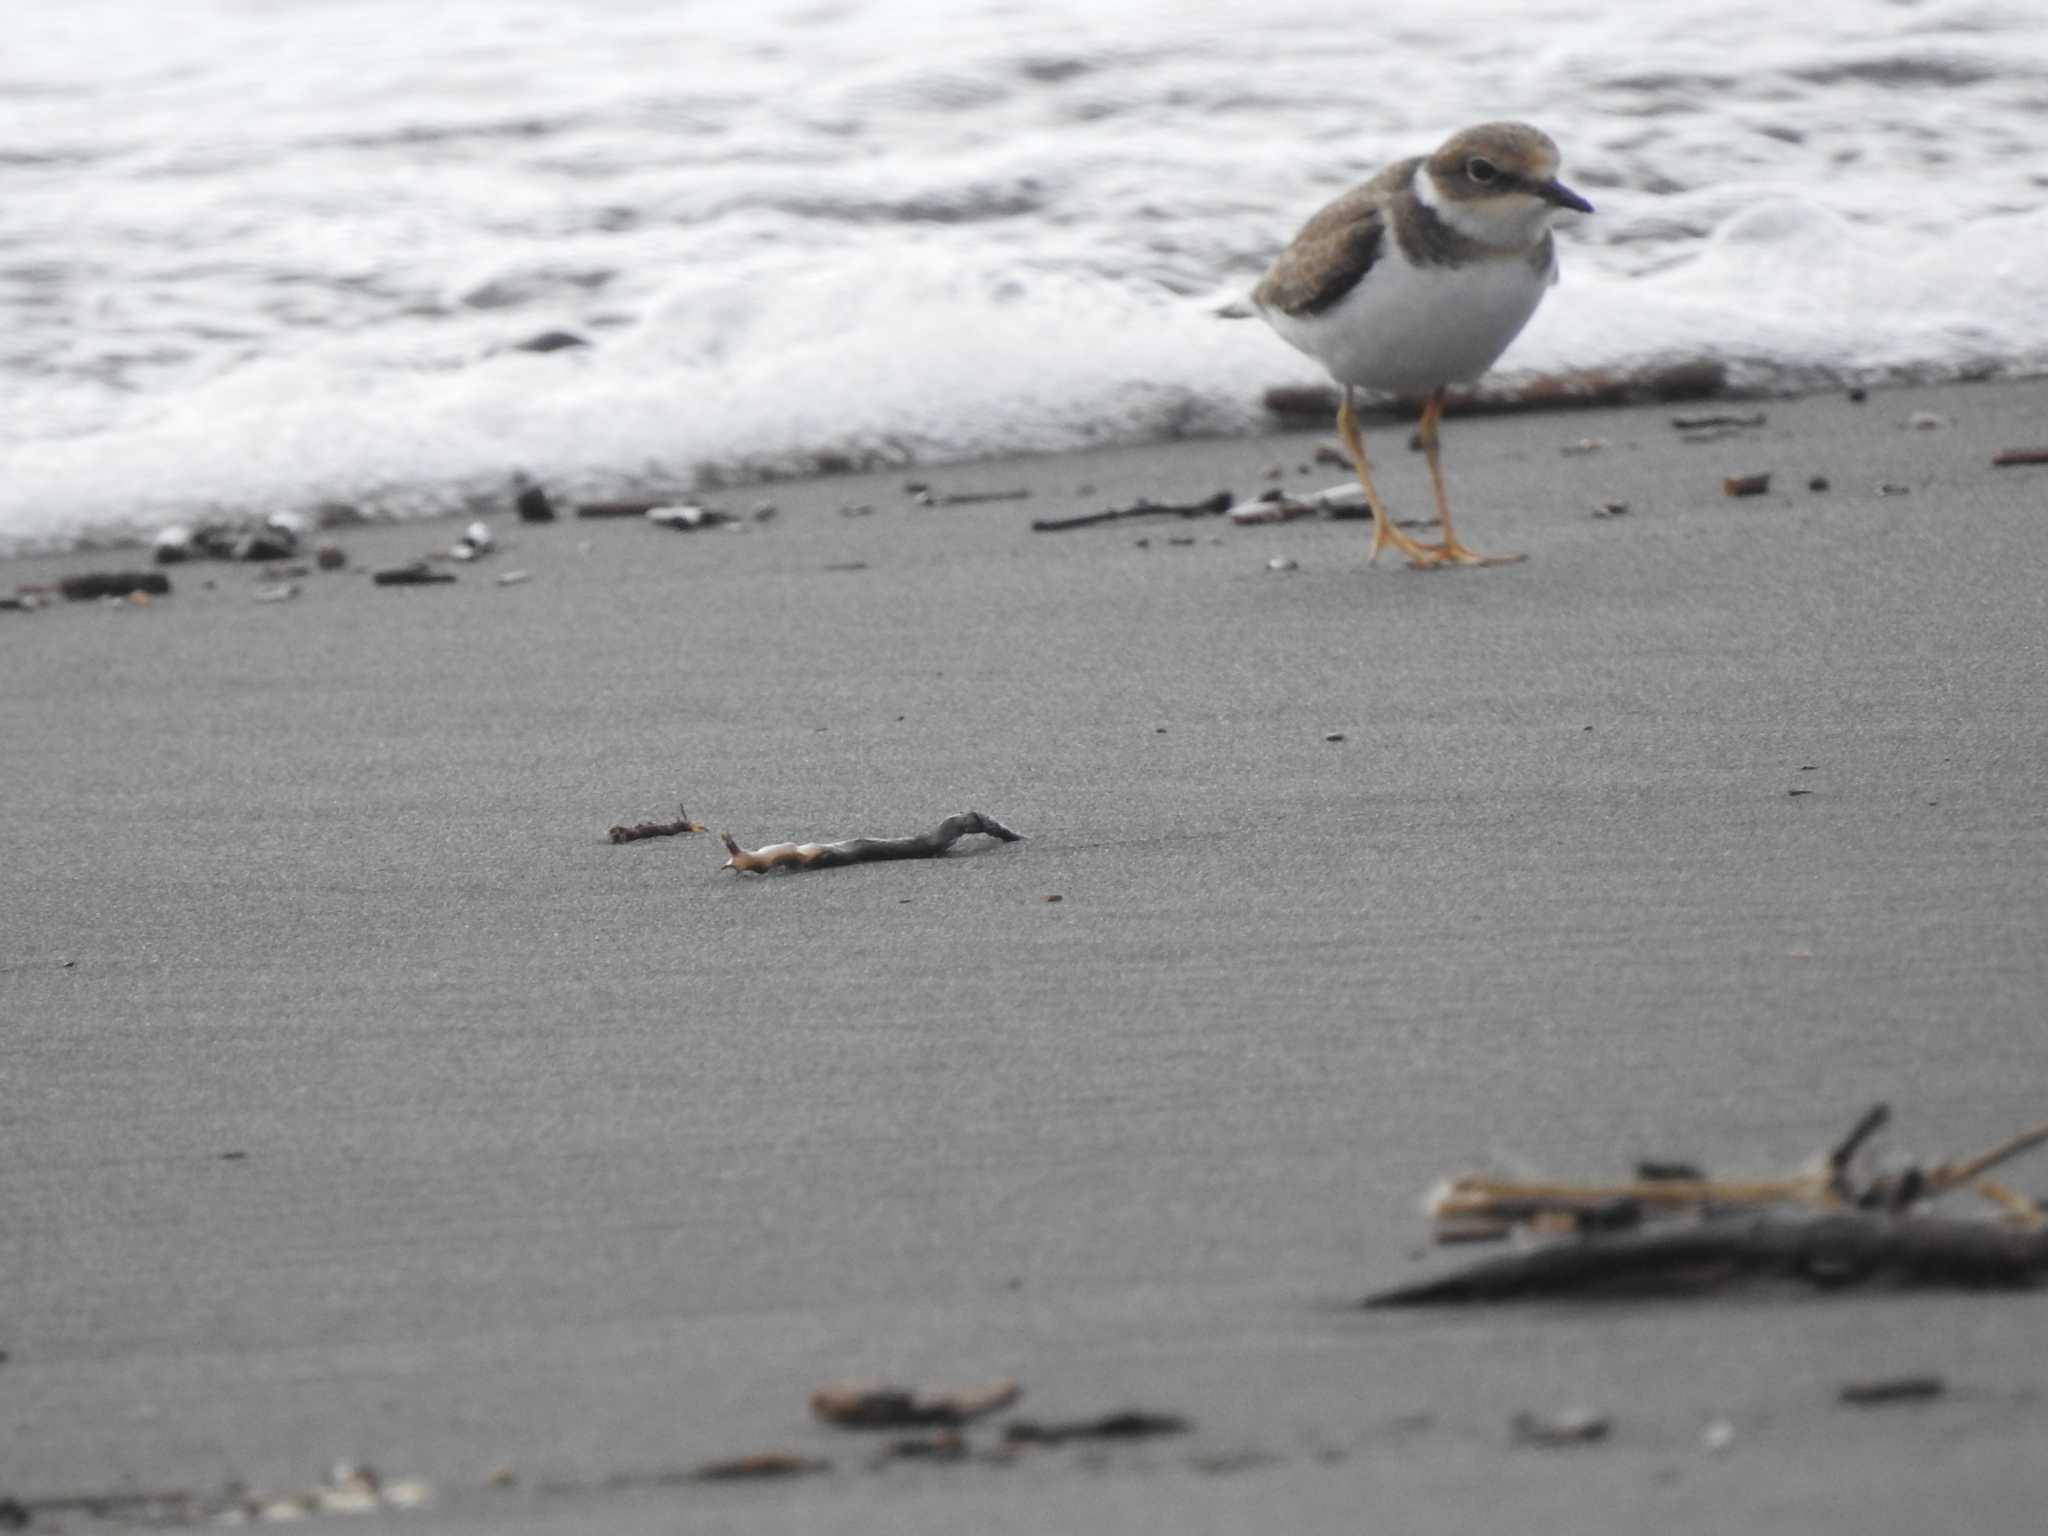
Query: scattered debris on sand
point(347, 1490)
point(865, 1405)
point(1833, 1224)
point(865, 850)
point(677, 828)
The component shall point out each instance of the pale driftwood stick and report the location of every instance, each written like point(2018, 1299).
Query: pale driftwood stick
point(1948, 1175)
point(1837, 1248)
point(865, 850)
point(1477, 1197)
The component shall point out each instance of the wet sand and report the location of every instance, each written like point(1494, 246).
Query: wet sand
point(590, 1161)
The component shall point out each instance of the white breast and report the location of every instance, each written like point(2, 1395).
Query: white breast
point(1408, 330)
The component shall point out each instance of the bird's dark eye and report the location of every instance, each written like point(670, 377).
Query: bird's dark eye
point(1481, 170)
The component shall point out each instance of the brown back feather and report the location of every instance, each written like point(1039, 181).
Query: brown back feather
point(1335, 249)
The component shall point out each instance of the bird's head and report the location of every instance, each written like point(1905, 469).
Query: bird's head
point(1497, 183)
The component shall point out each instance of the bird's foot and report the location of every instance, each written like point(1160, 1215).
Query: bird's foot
point(1422, 557)
point(1451, 552)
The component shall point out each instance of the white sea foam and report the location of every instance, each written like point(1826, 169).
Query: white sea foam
point(270, 255)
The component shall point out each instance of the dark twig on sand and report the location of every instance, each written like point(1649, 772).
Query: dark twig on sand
point(1874, 1119)
point(2005, 458)
point(98, 584)
point(1208, 506)
point(1745, 485)
point(1717, 419)
point(417, 574)
point(1891, 1389)
point(1131, 1424)
point(931, 498)
point(865, 850)
point(758, 1465)
point(677, 828)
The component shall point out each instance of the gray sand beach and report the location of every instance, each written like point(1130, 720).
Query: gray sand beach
point(1692, 836)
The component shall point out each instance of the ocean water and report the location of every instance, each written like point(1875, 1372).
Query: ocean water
point(258, 254)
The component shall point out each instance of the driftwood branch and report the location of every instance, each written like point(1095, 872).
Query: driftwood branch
point(1838, 1248)
point(865, 850)
point(640, 829)
point(1679, 1227)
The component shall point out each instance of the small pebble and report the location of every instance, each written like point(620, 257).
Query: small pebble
point(1927, 421)
point(1282, 563)
point(1817, 483)
point(1858, 395)
point(1611, 509)
point(1718, 1437)
point(1891, 488)
point(283, 592)
point(1334, 736)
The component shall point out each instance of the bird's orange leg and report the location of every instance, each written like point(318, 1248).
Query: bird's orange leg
point(1450, 549)
point(1384, 533)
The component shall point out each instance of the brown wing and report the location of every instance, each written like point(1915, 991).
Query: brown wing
point(1334, 250)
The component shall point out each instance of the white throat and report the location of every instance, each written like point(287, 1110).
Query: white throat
point(1510, 222)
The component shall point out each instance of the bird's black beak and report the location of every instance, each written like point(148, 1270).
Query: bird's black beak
point(1563, 196)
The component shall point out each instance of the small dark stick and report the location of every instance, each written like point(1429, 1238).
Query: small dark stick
point(2005, 458)
point(638, 830)
point(418, 574)
point(82, 589)
point(1211, 506)
point(1745, 485)
point(1872, 1121)
point(1891, 1389)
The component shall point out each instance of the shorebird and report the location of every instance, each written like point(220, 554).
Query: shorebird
point(1418, 279)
